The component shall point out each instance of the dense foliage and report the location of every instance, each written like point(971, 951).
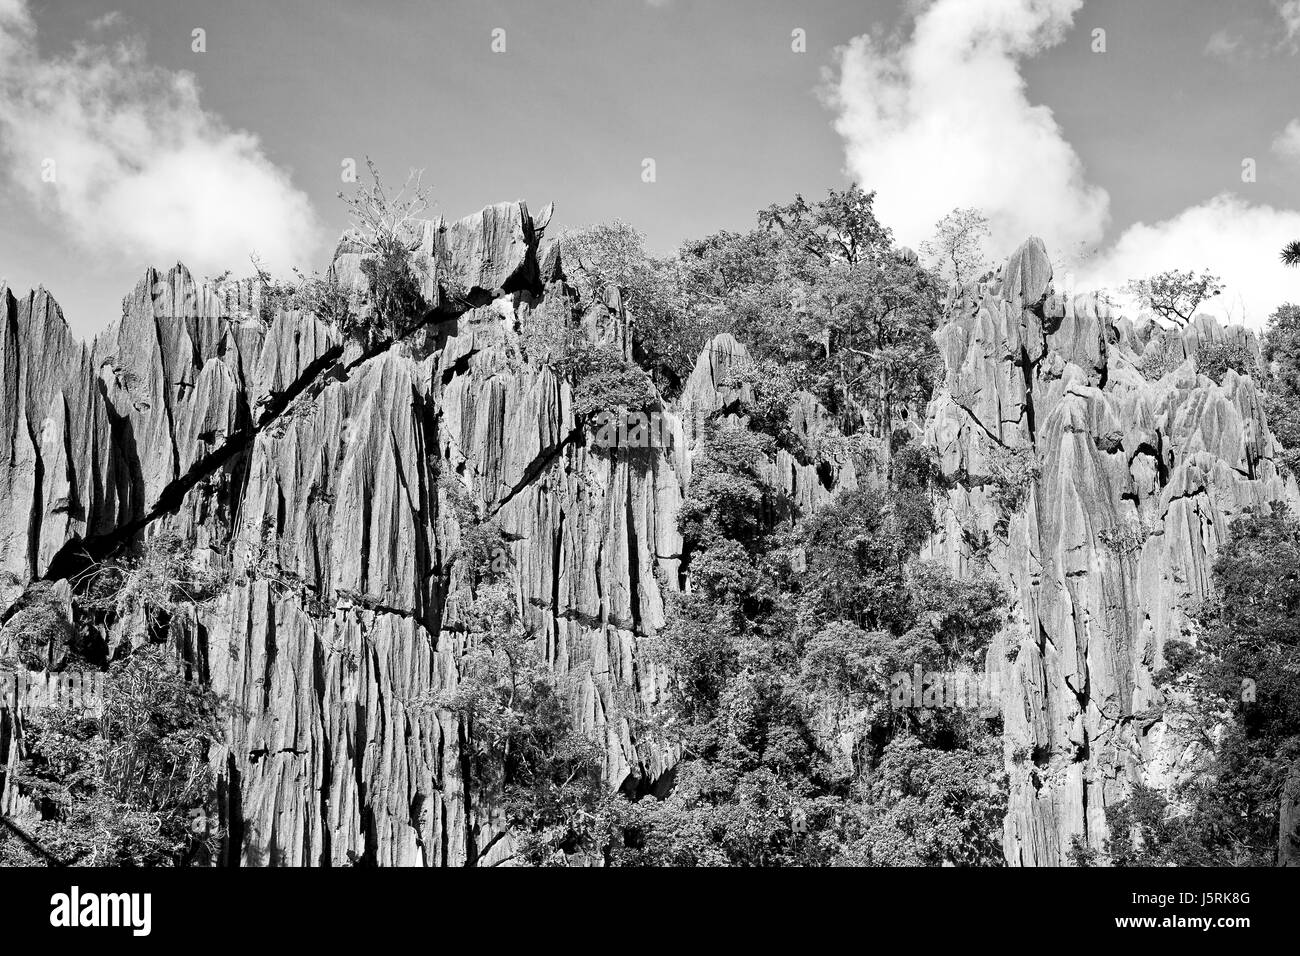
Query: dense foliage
point(127, 780)
point(792, 624)
point(128, 786)
point(1281, 358)
point(817, 289)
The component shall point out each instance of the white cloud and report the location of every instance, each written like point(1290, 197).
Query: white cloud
point(1231, 238)
point(143, 173)
point(941, 119)
point(1287, 144)
point(1289, 11)
point(107, 21)
point(1226, 46)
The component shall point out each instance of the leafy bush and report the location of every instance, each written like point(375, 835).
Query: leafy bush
point(159, 579)
point(1126, 538)
point(315, 294)
point(1215, 358)
point(123, 788)
point(546, 330)
point(726, 497)
point(1161, 359)
point(930, 807)
point(1281, 358)
point(771, 392)
point(386, 226)
point(604, 381)
point(842, 663)
point(37, 634)
point(1012, 472)
point(963, 614)
point(482, 545)
point(857, 549)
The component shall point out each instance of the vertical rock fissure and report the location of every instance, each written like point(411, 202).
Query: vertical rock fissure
point(34, 523)
point(633, 557)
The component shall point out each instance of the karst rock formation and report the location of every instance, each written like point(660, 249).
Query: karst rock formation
point(318, 472)
point(1139, 481)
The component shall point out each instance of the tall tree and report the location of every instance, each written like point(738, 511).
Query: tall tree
point(1281, 359)
point(822, 289)
point(957, 250)
point(1176, 295)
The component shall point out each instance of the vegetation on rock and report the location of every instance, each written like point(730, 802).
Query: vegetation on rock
point(1176, 295)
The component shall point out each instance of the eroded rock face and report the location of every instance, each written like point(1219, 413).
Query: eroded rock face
point(318, 472)
point(1137, 483)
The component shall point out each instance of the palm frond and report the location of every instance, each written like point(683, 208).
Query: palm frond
point(1291, 253)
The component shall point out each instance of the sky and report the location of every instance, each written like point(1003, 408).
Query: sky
point(1170, 139)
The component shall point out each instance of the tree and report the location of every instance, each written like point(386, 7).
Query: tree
point(957, 251)
point(820, 289)
point(842, 227)
point(604, 381)
point(1281, 360)
point(1291, 253)
point(133, 785)
point(605, 256)
point(1175, 295)
point(386, 226)
point(930, 807)
point(612, 256)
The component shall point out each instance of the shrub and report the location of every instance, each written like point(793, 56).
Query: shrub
point(545, 331)
point(726, 496)
point(1215, 358)
point(323, 297)
point(386, 226)
point(933, 807)
point(771, 391)
point(1012, 472)
point(843, 663)
point(963, 613)
point(1158, 361)
point(1281, 356)
point(38, 633)
point(162, 577)
point(122, 789)
point(1126, 538)
point(604, 381)
point(482, 545)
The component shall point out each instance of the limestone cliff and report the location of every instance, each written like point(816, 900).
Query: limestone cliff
point(1137, 480)
point(318, 473)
